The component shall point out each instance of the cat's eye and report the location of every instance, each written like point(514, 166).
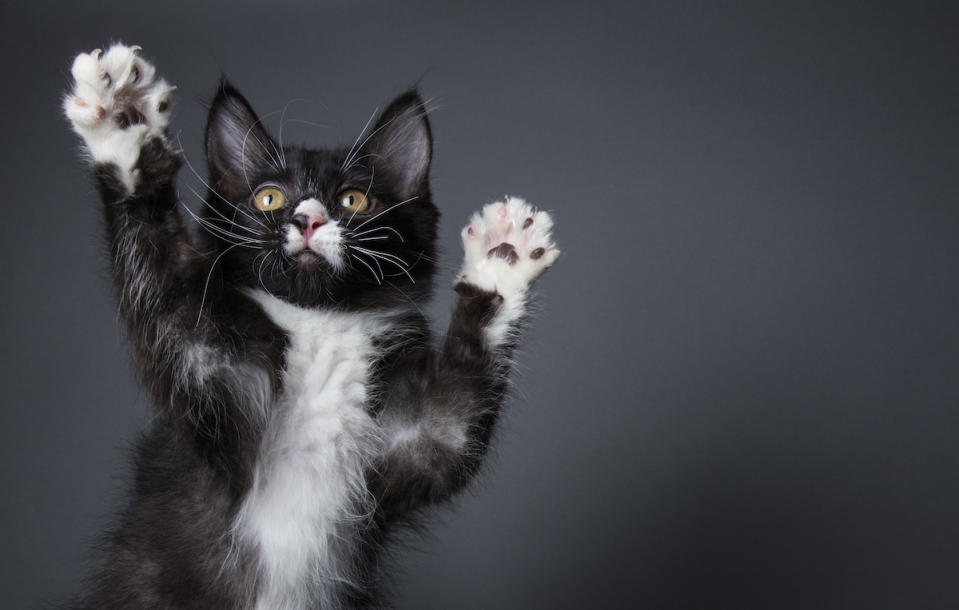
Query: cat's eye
point(268, 199)
point(354, 201)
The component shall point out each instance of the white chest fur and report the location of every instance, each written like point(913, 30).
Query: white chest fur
point(308, 483)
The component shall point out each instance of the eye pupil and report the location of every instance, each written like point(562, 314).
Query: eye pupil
point(354, 201)
point(268, 199)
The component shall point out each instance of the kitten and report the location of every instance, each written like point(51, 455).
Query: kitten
point(303, 413)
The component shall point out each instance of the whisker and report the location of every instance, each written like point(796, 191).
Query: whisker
point(378, 129)
point(348, 163)
point(384, 228)
point(414, 303)
point(206, 285)
point(360, 158)
point(224, 231)
point(359, 260)
point(383, 256)
point(212, 190)
point(220, 214)
point(276, 159)
point(362, 131)
point(282, 122)
point(233, 238)
point(276, 265)
point(273, 161)
point(372, 173)
point(375, 262)
point(305, 122)
point(260, 272)
point(389, 209)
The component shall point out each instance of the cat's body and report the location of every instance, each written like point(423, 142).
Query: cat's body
point(303, 410)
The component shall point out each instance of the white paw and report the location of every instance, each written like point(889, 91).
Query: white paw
point(508, 244)
point(116, 105)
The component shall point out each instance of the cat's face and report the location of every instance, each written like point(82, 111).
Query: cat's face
point(353, 227)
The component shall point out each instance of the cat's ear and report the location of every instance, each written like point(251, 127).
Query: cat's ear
point(237, 146)
point(400, 146)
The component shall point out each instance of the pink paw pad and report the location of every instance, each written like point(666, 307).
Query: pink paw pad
point(512, 236)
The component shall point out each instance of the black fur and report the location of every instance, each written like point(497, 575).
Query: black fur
point(194, 466)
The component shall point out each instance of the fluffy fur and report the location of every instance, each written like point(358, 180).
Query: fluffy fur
point(303, 411)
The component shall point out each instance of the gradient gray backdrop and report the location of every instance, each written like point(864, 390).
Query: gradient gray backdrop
point(741, 389)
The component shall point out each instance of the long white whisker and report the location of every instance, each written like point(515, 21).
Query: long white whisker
point(372, 173)
point(380, 255)
point(260, 272)
point(273, 161)
point(220, 214)
point(249, 131)
point(280, 137)
point(384, 228)
point(212, 190)
point(209, 223)
point(377, 130)
point(305, 122)
point(233, 238)
point(276, 265)
point(362, 131)
point(396, 288)
point(375, 277)
point(390, 209)
point(383, 254)
point(360, 158)
point(206, 285)
point(349, 162)
point(375, 261)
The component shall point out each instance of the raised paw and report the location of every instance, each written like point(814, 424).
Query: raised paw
point(508, 244)
point(116, 105)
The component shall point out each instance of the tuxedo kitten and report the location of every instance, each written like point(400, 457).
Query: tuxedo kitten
point(304, 411)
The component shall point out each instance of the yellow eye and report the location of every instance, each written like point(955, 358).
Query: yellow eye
point(269, 198)
point(354, 201)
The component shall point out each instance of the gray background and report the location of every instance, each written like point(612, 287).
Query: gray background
point(741, 389)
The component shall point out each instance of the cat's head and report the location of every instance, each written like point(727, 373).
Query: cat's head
point(352, 226)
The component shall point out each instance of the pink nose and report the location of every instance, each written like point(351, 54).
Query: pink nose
point(308, 224)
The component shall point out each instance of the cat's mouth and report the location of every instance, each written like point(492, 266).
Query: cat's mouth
point(307, 256)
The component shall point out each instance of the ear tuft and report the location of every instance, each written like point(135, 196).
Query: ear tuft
point(237, 145)
point(401, 145)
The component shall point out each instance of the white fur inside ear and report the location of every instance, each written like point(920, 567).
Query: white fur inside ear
point(109, 89)
point(508, 244)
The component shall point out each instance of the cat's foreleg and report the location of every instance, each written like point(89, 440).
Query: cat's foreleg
point(435, 443)
point(121, 110)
